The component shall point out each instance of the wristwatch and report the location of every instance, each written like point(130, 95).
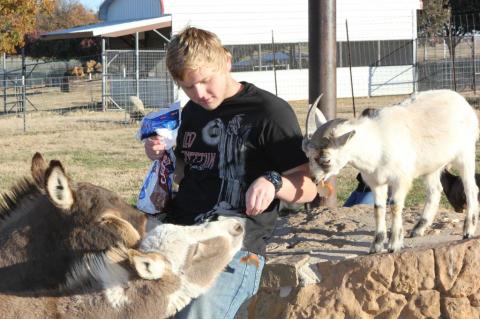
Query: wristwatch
point(275, 178)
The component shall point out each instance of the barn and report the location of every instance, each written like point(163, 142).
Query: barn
point(268, 41)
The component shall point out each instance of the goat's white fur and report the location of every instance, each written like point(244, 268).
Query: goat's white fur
point(417, 138)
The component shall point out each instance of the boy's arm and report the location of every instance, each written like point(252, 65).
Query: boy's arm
point(297, 187)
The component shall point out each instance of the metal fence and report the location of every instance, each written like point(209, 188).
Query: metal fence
point(378, 68)
point(148, 78)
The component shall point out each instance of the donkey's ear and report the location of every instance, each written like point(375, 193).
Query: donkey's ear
point(111, 220)
point(38, 169)
point(148, 266)
point(58, 186)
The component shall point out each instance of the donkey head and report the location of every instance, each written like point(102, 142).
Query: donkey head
point(325, 149)
point(94, 208)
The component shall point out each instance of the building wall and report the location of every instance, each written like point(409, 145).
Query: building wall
point(367, 81)
point(251, 21)
point(128, 9)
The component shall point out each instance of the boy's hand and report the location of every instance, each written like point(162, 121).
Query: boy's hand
point(259, 196)
point(154, 147)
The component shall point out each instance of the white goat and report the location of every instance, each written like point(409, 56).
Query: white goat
point(394, 146)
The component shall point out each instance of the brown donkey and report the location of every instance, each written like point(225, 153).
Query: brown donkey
point(65, 252)
point(49, 222)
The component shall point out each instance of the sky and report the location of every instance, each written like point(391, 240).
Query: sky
point(91, 4)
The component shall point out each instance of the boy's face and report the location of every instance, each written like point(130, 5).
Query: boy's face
point(207, 86)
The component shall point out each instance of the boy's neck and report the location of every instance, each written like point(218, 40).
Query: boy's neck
point(234, 87)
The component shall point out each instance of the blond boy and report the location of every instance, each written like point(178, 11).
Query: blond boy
point(241, 147)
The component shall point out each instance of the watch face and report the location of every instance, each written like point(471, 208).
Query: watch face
point(275, 178)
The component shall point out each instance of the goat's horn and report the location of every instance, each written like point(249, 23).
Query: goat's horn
point(314, 105)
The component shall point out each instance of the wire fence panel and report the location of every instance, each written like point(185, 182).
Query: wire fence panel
point(151, 83)
point(377, 68)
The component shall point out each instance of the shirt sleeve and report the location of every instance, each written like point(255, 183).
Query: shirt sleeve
point(282, 138)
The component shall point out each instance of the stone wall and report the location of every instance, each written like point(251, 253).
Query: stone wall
point(439, 281)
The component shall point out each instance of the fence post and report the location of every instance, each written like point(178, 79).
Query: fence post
point(474, 72)
point(5, 82)
point(274, 65)
point(350, 67)
point(415, 64)
point(104, 76)
point(24, 90)
point(137, 65)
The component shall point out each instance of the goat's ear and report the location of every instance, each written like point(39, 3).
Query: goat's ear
point(148, 266)
point(38, 169)
point(343, 139)
point(319, 117)
point(305, 144)
point(58, 186)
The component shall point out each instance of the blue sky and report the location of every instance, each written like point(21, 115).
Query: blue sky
point(91, 4)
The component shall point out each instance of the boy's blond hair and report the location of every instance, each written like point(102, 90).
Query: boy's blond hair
point(193, 48)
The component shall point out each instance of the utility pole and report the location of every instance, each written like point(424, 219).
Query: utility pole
point(322, 76)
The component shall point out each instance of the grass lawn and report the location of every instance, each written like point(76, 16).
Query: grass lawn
point(101, 148)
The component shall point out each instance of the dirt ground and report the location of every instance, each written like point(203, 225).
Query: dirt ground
point(332, 234)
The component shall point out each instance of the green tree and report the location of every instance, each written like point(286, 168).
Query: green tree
point(18, 18)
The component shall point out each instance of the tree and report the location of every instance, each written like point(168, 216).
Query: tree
point(448, 19)
point(433, 18)
point(65, 14)
point(19, 17)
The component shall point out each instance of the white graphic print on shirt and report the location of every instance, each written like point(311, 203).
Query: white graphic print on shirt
point(230, 141)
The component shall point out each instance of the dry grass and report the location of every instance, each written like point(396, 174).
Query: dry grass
point(94, 147)
point(102, 149)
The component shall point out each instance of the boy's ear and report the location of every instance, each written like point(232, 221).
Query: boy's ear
point(228, 65)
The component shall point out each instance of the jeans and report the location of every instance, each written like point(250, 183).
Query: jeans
point(359, 198)
point(236, 284)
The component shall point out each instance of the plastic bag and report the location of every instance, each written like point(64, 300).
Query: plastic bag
point(157, 188)
point(164, 122)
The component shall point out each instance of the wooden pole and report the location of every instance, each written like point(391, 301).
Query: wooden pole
point(322, 45)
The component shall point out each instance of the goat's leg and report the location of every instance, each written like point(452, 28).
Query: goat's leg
point(399, 192)
point(467, 172)
point(433, 193)
point(380, 195)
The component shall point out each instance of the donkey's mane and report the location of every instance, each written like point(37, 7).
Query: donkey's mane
point(11, 199)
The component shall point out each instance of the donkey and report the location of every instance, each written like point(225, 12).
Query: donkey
point(48, 222)
point(173, 265)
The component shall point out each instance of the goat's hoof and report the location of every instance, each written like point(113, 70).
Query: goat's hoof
point(419, 228)
point(394, 250)
point(417, 232)
point(467, 236)
point(395, 246)
point(375, 249)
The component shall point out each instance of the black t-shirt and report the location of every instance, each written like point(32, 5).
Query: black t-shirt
point(226, 149)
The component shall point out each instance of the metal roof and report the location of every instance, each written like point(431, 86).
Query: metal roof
point(110, 28)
